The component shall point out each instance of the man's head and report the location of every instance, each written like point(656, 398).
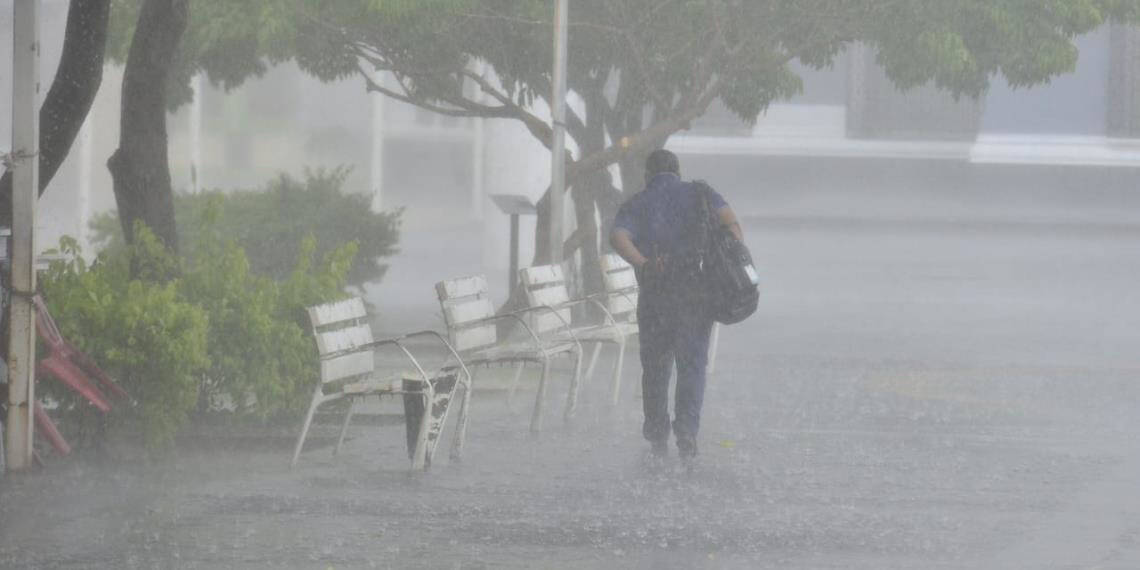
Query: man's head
point(661, 161)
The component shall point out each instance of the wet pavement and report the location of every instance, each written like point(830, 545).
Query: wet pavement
point(908, 396)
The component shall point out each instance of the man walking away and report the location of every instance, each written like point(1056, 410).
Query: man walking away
point(658, 231)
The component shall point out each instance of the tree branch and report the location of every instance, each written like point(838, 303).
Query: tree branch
point(647, 138)
point(537, 127)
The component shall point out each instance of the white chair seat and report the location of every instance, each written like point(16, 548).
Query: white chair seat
point(603, 333)
point(386, 385)
point(521, 351)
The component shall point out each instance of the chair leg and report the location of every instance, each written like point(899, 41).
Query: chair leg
point(540, 395)
point(572, 397)
point(514, 385)
point(615, 396)
point(344, 427)
point(419, 457)
point(49, 431)
point(305, 426)
point(461, 423)
point(593, 359)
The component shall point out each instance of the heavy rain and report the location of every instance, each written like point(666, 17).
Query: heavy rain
point(394, 284)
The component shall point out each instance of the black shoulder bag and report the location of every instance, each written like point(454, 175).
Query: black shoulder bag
point(729, 277)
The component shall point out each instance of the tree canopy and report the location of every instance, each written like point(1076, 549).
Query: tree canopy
point(644, 69)
point(670, 59)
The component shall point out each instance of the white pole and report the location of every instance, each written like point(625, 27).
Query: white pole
point(196, 135)
point(25, 190)
point(377, 160)
point(478, 151)
point(558, 146)
point(478, 164)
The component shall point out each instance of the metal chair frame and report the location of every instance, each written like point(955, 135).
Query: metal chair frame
point(471, 292)
point(550, 281)
point(429, 425)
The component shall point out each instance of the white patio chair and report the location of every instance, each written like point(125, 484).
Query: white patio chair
point(545, 286)
point(473, 331)
point(347, 370)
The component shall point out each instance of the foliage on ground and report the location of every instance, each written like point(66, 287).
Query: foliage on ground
point(196, 334)
point(140, 330)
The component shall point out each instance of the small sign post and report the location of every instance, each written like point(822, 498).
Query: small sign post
point(514, 206)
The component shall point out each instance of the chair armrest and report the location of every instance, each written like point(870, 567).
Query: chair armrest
point(451, 349)
point(549, 309)
point(372, 346)
point(623, 293)
point(593, 299)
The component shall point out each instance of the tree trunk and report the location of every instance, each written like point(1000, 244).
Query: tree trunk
point(583, 194)
point(139, 168)
point(71, 95)
point(632, 169)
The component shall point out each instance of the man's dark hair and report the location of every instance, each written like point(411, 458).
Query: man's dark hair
point(661, 161)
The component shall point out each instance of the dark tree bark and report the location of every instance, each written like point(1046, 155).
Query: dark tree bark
point(71, 95)
point(590, 191)
point(140, 168)
point(584, 195)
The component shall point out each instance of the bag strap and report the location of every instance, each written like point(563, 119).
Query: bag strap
point(704, 224)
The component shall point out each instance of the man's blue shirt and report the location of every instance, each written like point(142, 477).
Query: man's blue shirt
point(662, 219)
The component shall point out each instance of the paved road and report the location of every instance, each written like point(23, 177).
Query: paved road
point(909, 396)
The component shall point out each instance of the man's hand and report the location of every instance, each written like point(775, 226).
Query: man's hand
point(728, 219)
point(651, 270)
point(623, 245)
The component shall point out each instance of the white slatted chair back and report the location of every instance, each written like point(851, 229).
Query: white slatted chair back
point(337, 327)
point(545, 286)
point(465, 305)
point(621, 286)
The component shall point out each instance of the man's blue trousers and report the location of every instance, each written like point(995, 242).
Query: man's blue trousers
point(674, 327)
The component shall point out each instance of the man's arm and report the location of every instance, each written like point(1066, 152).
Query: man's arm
point(728, 220)
point(622, 242)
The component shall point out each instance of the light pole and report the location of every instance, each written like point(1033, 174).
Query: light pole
point(24, 165)
point(558, 145)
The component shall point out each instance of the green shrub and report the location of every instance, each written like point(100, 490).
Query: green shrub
point(202, 332)
point(270, 224)
point(140, 330)
point(262, 358)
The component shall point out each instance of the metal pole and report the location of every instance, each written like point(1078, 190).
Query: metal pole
point(25, 186)
point(478, 167)
point(558, 145)
point(376, 161)
point(513, 278)
point(478, 152)
point(196, 134)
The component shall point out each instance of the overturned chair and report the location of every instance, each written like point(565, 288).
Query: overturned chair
point(74, 369)
point(348, 370)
